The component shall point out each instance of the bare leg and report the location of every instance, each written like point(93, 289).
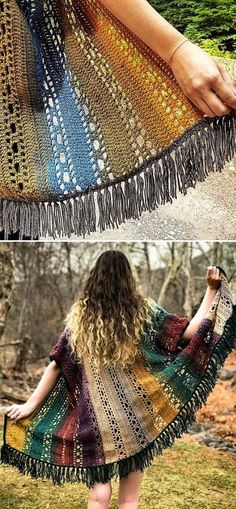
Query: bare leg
point(99, 496)
point(129, 490)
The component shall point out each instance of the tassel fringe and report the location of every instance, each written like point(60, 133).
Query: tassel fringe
point(104, 473)
point(204, 148)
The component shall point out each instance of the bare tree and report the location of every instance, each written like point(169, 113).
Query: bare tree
point(70, 279)
point(6, 283)
point(23, 353)
point(217, 253)
point(48, 276)
point(173, 266)
point(187, 269)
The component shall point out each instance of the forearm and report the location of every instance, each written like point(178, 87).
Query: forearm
point(201, 313)
point(142, 19)
point(46, 384)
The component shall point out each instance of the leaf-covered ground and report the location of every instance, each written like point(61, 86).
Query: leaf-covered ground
point(188, 476)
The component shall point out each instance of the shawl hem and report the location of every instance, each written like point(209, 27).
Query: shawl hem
point(204, 148)
point(59, 474)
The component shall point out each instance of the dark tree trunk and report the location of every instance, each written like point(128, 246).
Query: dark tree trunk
point(6, 283)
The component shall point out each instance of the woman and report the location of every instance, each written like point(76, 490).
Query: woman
point(103, 94)
point(125, 379)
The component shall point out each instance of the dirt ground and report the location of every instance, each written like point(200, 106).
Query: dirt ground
point(206, 212)
point(219, 410)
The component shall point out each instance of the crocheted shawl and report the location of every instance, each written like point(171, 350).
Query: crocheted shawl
point(98, 424)
point(94, 127)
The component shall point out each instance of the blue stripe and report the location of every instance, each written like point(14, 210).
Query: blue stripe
point(72, 145)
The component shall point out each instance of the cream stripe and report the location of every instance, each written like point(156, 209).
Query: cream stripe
point(104, 426)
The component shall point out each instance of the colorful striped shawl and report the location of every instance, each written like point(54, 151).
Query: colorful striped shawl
point(98, 424)
point(94, 127)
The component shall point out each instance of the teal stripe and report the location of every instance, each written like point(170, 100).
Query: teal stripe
point(47, 419)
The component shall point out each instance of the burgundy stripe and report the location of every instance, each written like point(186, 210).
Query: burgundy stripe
point(200, 348)
point(64, 455)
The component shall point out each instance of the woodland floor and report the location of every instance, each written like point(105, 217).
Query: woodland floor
point(188, 476)
point(220, 409)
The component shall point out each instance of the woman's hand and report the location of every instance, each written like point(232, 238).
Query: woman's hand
point(16, 412)
point(213, 278)
point(203, 80)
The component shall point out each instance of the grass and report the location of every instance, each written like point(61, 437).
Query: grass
point(187, 476)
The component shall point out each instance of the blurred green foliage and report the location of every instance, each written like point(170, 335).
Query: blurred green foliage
point(209, 23)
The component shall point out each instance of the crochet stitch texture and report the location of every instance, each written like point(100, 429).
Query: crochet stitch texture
point(97, 424)
point(94, 127)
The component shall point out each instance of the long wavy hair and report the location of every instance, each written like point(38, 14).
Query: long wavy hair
point(106, 321)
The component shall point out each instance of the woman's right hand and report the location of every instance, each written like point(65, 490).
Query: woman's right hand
point(203, 80)
point(213, 277)
point(16, 412)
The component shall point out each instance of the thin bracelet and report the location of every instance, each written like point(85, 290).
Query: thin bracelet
point(186, 40)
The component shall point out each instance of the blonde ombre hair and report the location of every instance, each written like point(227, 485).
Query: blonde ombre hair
point(106, 321)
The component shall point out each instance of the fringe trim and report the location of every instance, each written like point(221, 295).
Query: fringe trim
point(104, 473)
point(205, 147)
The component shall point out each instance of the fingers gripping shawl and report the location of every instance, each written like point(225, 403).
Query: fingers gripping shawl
point(96, 425)
point(94, 127)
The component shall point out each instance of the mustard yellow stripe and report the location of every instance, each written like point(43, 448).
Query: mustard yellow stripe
point(153, 93)
point(18, 170)
point(15, 433)
point(162, 405)
point(117, 144)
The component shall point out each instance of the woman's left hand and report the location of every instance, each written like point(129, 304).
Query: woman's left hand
point(213, 278)
point(204, 80)
point(16, 412)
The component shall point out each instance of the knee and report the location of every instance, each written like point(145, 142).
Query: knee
point(100, 493)
point(128, 501)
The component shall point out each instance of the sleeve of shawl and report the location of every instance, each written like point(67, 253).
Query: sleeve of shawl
point(62, 354)
point(168, 329)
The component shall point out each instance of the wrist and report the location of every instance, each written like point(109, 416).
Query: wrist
point(211, 288)
point(32, 404)
point(179, 42)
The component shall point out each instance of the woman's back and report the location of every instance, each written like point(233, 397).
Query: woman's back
point(129, 381)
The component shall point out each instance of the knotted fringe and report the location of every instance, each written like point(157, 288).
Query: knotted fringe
point(104, 473)
point(206, 147)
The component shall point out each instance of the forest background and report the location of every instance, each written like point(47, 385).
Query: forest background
point(209, 23)
point(38, 283)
